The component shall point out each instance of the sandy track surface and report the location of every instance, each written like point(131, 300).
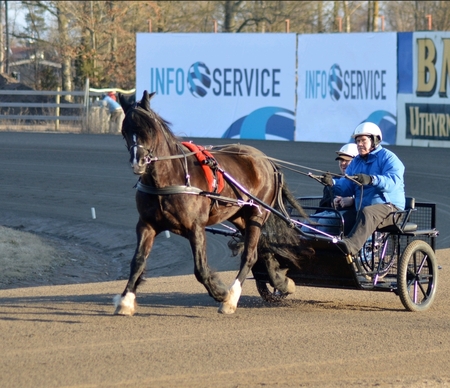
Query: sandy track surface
point(66, 336)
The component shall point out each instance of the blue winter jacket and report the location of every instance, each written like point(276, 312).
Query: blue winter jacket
point(112, 104)
point(387, 184)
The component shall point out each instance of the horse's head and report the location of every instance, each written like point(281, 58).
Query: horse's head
point(141, 130)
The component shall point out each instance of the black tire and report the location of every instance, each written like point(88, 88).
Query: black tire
point(270, 295)
point(417, 277)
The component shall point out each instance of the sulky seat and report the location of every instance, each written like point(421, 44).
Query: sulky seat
point(400, 219)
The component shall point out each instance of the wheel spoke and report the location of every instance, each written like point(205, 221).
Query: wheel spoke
point(415, 293)
point(424, 292)
point(425, 258)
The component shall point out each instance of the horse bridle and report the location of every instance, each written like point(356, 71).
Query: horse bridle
point(132, 149)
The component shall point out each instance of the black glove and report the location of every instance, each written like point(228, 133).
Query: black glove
point(327, 179)
point(363, 179)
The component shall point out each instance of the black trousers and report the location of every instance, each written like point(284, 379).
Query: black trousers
point(367, 220)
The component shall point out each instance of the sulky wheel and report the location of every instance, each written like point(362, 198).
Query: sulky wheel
point(417, 276)
point(269, 294)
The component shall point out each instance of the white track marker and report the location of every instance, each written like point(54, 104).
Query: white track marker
point(93, 213)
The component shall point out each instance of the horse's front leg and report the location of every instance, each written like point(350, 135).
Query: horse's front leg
point(248, 259)
point(203, 273)
point(126, 303)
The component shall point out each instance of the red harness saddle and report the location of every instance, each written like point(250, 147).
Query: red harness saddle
point(209, 166)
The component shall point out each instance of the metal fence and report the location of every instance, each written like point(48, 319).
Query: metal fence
point(38, 110)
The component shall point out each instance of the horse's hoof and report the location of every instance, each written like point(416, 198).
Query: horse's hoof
point(290, 289)
point(226, 308)
point(229, 305)
point(125, 305)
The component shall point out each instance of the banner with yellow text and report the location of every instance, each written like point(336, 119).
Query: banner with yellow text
point(423, 103)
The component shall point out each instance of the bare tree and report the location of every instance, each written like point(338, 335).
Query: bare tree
point(97, 39)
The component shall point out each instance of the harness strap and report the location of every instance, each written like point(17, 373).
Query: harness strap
point(181, 189)
point(177, 189)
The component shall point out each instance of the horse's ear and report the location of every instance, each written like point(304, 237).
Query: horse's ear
point(124, 103)
point(145, 102)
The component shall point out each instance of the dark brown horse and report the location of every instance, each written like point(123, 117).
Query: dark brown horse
point(174, 194)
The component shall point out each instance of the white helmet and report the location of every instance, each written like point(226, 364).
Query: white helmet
point(347, 151)
point(369, 129)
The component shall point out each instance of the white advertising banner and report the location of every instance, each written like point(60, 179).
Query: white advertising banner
point(220, 85)
point(344, 80)
point(423, 89)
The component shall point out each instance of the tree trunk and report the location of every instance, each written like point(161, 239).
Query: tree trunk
point(66, 64)
point(2, 50)
point(375, 16)
point(7, 39)
point(92, 35)
point(347, 17)
point(113, 40)
point(230, 15)
point(319, 17)
point(335, 16)
point(369, 16)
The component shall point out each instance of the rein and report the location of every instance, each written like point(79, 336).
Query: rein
point(150, 159)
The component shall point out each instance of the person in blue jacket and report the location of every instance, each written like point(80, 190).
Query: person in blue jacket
point(379, 190)
point(115, 110)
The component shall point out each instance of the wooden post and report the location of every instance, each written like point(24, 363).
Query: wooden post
point(340, 24)
point(87, 103)
point(288, 23)
point(429, 22)
point(382, 22)
point(58, 100)
point(215, 26)
point(149, 25)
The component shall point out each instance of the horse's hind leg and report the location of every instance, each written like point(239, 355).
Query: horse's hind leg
point(126, 302)
point(277, 276)
point(203, 273)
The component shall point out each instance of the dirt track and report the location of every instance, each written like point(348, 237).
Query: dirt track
point(65, 335)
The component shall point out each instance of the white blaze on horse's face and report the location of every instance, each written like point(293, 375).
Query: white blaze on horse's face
point(134, 160)
point(138, 157)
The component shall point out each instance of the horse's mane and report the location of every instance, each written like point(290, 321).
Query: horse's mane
point(146, 123)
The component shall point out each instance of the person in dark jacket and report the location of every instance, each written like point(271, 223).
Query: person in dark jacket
point(344, 158)
point(329, 221)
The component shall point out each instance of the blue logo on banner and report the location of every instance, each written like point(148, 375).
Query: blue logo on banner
point(225, 82)
point(335, 82)
point(199, 79)
point(346, 84)
point(269, 120)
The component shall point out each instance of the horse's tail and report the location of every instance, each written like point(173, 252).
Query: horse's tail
point(289, 197)
point(280, 239)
